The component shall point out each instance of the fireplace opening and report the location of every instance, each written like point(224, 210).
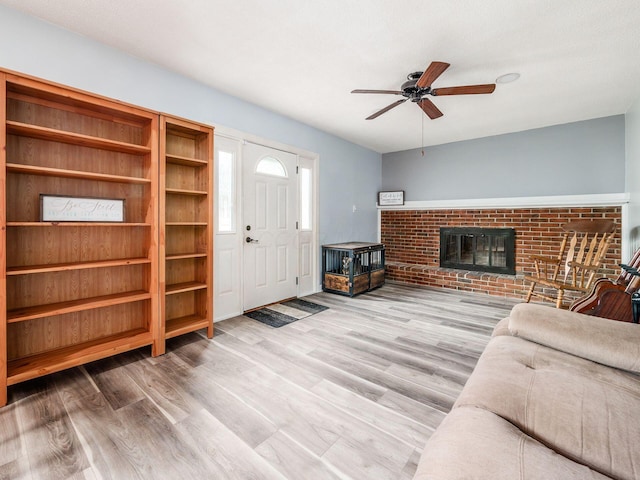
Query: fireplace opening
point(480, 249)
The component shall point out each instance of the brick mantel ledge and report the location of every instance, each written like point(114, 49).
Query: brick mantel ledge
point(552, 201)
point(415, 267)
point(471, 281)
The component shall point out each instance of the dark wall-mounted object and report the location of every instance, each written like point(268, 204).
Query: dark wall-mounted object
point(479, 249)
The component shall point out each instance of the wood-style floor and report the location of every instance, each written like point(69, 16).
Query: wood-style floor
point(352, 392)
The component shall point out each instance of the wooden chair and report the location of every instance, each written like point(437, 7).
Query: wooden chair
point(584, 245)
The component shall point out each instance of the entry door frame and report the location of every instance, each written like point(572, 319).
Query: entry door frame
point(229, 296)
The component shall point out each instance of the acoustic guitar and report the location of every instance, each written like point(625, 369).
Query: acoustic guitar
point(613, 299)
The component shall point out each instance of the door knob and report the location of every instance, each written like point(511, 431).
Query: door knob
point(251, 240)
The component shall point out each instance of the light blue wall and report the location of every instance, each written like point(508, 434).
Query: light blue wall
point(585, 157)
point(43, 50)
point(632, 137)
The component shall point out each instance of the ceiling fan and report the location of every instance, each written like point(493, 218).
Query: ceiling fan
point(418, 86)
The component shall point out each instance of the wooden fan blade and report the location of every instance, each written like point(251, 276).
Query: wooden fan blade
point(465, 90)
point(392, 92)
point(429, 108)
point(431, 73)
point(386, 109)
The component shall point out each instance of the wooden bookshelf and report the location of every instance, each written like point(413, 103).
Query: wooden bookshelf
point(33, 366)
point(60, 136)
point(186, 221)
point(74, 292)
point(60, 308)
point(58, 172)
point(60, 267)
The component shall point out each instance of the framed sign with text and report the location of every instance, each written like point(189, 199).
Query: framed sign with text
point(60, 208)
point(391, 198)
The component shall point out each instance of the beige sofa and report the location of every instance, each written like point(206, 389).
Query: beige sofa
point(555, 395)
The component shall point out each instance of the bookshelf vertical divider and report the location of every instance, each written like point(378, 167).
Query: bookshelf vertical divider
point(84, 288)
point(3, 242)
point(186, 227)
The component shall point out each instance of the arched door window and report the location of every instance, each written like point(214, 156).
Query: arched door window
point(271, 166)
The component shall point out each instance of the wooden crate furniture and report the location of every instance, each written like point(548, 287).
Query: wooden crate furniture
point(582, 249)
point(353, 267)
point(82, 234)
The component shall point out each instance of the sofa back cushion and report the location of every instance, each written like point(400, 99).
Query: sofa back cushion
point(612, 343)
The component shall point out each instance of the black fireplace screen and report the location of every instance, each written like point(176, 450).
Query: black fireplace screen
point(482, 249)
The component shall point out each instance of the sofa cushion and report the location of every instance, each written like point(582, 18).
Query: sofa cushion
point(580, 409)
point(472, 443)
point(501, 328)
point(612, 343)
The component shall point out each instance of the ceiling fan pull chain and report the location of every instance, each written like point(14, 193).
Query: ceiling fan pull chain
point(422, 143)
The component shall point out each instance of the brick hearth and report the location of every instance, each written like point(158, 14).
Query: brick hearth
point(411, 238)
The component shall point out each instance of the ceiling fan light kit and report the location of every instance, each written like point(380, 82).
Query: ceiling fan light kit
point(418, 86)
point(508, 77)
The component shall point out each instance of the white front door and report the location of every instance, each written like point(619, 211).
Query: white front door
point(270, 198)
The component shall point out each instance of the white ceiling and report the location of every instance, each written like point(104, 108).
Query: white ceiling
point(578, 59)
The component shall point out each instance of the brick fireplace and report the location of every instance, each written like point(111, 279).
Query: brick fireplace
point(412, 239)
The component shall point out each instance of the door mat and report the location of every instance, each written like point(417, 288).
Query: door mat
point(285, 313)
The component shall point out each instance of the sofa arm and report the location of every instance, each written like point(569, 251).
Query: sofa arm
point(616, 344)
point(501, 328)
